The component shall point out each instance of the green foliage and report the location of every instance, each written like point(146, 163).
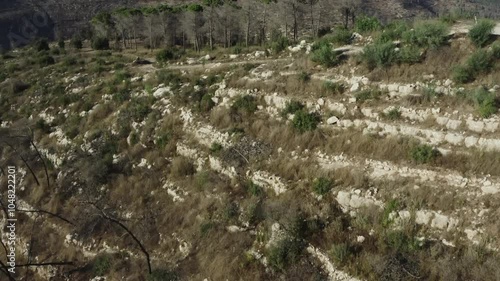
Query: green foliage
point(304, 121)
point(216, 147)
point(304, 76)
point(292, 107)
point(163, 275)
point(424, 153)
point(495, 50)
point(480, 61)
point(206, 103)
point(121, 76)
point(367, 24)
point(393, 31)
point(231, 210)
point(61, 44)
point(41, 45)
point(254, 189)
point(165, 55)
point(390, 207)
point(321, 185)
point(76, 42)
point(462, 74)
point(323, 53)
point(249, 66)
point(341, 252)
point(341, 36)
point(168, 77)
point(369, 94)
point(333, 87)
point(393, 114)
point(101, 265)
point(279, 44)
point(427, 34)
point(245, 103)
point(45, 60)
point(100, 43)
point(379, 55)
point(285, 253)
point(486, 102)
point(401, 242)
point(409, 54)
point(480, 34)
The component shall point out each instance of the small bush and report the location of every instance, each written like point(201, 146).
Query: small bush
point(409, 54)
point(206, 103)
point(254, 189)
point(101, 265)
point(367, 24)
point(341, 253)
point(285, 253)
point(495, 50)
point(486, 102)
point(462, 74)
point(480, 61)
point(245, 103)
point(321, 186)
point(41, 45)
point(164, 55)
point(279, 45)
point(304, 121)
point(333, 87)
point(249, 66)
point(393, 31)
point(368, 94)
point(45, 60)
point(215, 147)
point(480, 34)
point(427, 34)
point(171, 78)
point(77, 43)
point(323, 53)
point(181, 167)
point(100, 43)
point(163, 275)
point(231, 210)
point(304, 76)
point(292, 107)
point(424, 153)
point(379, 55)
point(393, 114)
point(61, 44)
point(341, 37)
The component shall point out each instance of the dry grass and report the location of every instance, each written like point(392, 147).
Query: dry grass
point(181, 167)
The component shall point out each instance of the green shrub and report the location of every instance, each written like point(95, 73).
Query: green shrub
point(215, 147)
point(369, 94)
point(61, 44)
point(427, 34)
point(424, 153)
point(304, 76)
point(77, 43)
point(164, 55)
point(480, 61)
point(379, 55)
point(292, 107)
point(393, 31)
point(171, 78)
point(41, 45)
point(304, 121)
point(45, 60)
point(393, 114)
point(206, 103)
point(333, 87)
point(486, 102)
point(409, 54)
point(285, 253)
point(495, 50)
point(323, 53)
point(245, 103)
point(279, 45)
point(480, 34)
point(341, 253)
point(163, 275)
point(100, 43)
point(341, 36)
point(70, 61)
point(249, 66)
point(254, 189)
point(367, 24)
point(231, 210)
point(462, 74)
point(121, 76)
point(101, 265)
point(321, 185)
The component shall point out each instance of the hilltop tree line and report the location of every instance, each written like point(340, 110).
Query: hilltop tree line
point(223, 23)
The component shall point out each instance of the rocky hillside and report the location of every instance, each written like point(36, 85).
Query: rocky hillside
point(375, 160)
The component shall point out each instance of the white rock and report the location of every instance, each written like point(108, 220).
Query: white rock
point(332, 120)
